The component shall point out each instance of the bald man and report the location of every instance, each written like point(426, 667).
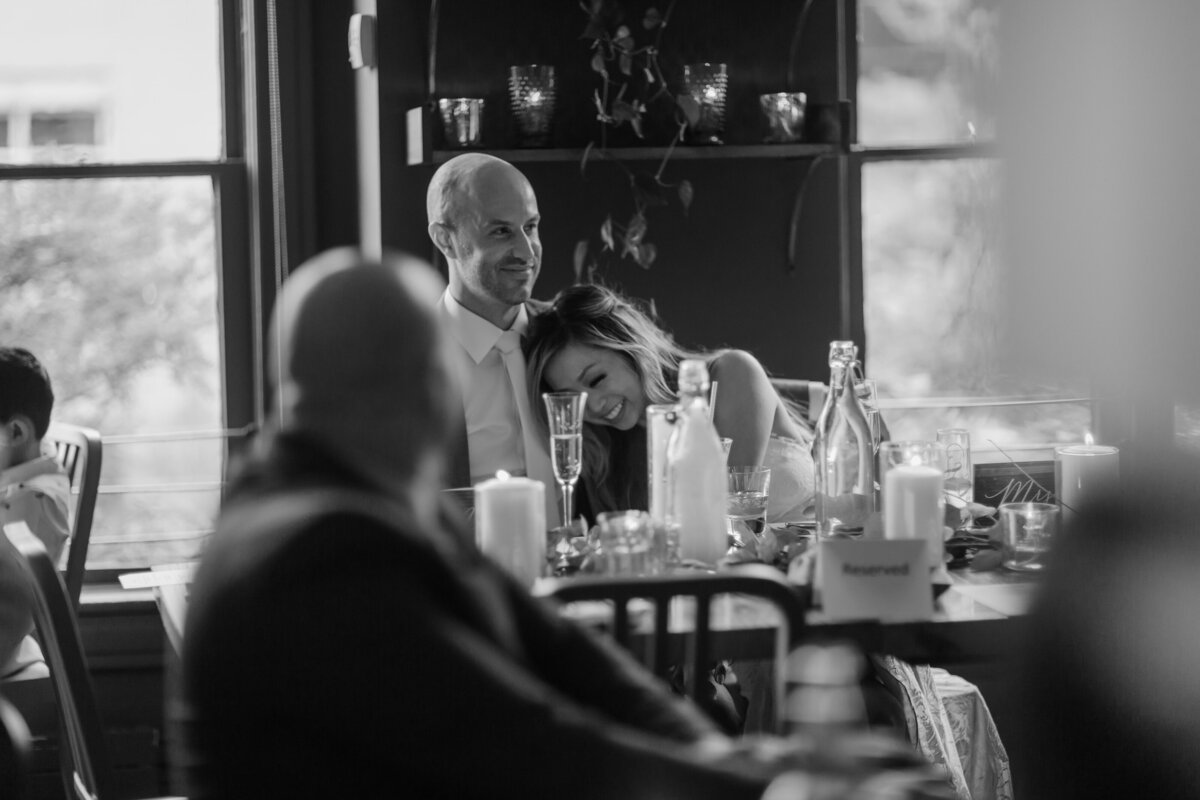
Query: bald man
point(483, 217)
point(342, 642)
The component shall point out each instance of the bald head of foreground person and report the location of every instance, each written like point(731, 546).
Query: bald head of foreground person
point(359, 364)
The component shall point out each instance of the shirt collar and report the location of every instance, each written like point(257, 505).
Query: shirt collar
point(476, 335)
point(44, 465)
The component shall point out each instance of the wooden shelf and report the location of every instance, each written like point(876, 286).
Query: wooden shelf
point(650, 153)
point(419, 124)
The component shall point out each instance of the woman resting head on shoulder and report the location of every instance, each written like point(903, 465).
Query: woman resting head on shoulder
point(593, 340)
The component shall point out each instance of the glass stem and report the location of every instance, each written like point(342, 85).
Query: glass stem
point(568, 502)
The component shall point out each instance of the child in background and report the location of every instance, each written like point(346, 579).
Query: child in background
point(33, 489)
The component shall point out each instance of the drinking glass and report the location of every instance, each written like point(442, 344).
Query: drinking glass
point(461, 118)
point(1027, 529)
point(706, 83)
point(746, 507)
point(531, 90)
point(565, 412)
point(959, 472)
point(627, 543)
point(784, 112)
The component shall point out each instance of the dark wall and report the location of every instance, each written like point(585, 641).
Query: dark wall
point(721, 277)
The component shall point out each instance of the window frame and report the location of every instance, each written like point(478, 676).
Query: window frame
point(853, 158)
point(243, 208)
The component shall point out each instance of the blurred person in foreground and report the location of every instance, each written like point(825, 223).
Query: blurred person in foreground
point(344, 640)
point(34, 490)
point(1108, 681)
point(1103, 286)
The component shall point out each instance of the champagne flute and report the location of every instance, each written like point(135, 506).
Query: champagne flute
point(960, 472)
point(565, 412)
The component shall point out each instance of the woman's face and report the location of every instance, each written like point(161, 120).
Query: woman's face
point(614, 389)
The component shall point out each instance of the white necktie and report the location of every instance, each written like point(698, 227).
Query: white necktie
point(537, 455)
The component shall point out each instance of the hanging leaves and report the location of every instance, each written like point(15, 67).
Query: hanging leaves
point(686, 193)
point(606, 233)
point(690, 108)
point(628, 112)
point(646, 255)
point(648, 190)
point(587, 152)
point(636, 230)
point(581, 252)
point(630, 80)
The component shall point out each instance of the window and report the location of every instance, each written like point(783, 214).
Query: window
point(62, 128)
point(932, 269)
point(121, 178)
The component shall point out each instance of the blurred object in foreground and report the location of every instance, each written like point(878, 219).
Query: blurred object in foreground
point(1099, 134)
point(1109, 675)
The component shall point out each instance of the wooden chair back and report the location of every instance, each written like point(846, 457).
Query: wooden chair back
point(15, 753)
point(79, 452)
point(86, 773)
point(807, 396)
point(754, 580)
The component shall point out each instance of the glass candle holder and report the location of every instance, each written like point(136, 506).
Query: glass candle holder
point(784, 112)
point(706, 83)
point(461, 118)
point(531, 92)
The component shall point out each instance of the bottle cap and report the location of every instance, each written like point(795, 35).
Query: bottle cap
point(842, 352)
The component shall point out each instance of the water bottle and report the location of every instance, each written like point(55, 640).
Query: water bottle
point(696, 466)
point(843, 452)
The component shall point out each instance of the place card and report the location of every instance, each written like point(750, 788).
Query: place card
point(887, 580)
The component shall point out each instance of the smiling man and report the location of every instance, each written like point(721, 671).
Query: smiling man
point(483, 217)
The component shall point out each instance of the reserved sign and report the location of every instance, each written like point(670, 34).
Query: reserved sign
point(885, 579)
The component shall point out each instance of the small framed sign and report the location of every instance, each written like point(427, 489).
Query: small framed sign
point(1014, 482)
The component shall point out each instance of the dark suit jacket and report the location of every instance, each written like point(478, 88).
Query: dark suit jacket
point(335, 649)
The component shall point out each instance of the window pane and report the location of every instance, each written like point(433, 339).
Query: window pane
point(932, 283)
point(927, 71)
point(118, 81)
point(112, 283)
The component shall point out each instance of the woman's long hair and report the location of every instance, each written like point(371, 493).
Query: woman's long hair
point(599, 317)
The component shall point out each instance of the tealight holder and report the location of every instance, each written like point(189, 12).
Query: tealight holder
point(531, 91)
point(706, 83)
point(461, 117)
point(784, 112)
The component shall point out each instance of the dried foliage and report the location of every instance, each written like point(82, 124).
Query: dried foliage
point(631, 85)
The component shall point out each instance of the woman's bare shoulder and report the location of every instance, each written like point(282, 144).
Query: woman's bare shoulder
point(737, 364)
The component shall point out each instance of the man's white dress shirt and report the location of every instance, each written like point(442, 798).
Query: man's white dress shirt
point(497, 439)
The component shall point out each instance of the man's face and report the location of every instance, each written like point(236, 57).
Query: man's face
point(498, 252)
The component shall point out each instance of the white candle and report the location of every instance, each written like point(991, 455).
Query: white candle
point(1084, 473)
point(913, 506)
point(510, 525)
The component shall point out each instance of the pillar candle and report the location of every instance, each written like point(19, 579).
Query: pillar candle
point(913, 506)
point(510, 524)
point(1084, 473)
